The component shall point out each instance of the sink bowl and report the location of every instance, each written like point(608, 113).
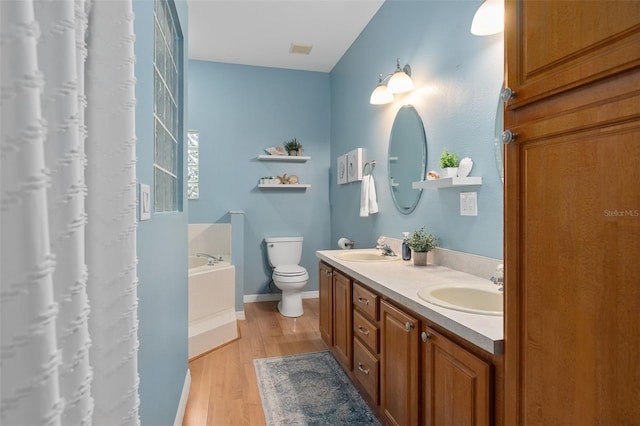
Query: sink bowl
point(365, 256)
point(477, 299)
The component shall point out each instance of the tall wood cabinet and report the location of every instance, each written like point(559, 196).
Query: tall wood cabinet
point(572, 213)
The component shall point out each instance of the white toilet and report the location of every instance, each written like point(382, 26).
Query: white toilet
point(284, 254)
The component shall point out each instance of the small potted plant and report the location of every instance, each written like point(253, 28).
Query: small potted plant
point(293, 147)
point(421, 242)
point(449, 164)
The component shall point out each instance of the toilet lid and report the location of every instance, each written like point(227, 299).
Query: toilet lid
point(289, 270)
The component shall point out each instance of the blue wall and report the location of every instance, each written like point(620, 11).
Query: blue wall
point(239, 111)
point(458, 77)
point(162, 253)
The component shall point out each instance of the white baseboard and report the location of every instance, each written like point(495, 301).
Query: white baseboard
point(240, 315)
point(182, 405)
point(271, 297)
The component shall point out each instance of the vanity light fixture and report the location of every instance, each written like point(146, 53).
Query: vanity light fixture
point(381, 94)
point(489, 19)
point(398, 82)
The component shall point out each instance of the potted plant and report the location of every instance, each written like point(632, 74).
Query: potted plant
point(449, 164)
point(293, 147)
point(421, 242)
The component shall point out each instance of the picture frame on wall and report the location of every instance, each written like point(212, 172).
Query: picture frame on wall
point(354, 165)
point(341, 169)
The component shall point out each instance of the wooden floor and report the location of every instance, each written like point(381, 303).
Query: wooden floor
point(224, 389)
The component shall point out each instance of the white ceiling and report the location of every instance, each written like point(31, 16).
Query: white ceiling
point(260, 32)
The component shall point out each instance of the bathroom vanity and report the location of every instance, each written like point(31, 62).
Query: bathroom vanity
point(414, 362)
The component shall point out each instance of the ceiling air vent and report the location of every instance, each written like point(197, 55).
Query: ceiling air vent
point(300, 49)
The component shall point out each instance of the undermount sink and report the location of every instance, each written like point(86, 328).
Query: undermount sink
point(365, 256)
point(477, 299)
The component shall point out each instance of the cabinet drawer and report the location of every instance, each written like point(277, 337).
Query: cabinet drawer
point(366, 368)
point(366, 331)
point(366, 301)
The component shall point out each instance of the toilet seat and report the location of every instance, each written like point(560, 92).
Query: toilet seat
point(289, 271)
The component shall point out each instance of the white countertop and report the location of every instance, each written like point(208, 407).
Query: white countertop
point(400, 281)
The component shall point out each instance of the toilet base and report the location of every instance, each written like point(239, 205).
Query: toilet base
point(291, 305)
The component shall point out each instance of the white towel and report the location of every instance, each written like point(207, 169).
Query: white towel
point(368, 197)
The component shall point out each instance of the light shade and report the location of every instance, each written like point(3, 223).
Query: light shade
point(489, 19)
point(381, 95)
point(400, 81)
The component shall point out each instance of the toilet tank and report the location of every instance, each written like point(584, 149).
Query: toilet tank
point(284, 250)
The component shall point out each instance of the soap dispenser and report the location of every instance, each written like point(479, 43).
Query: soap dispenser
point(406, 251)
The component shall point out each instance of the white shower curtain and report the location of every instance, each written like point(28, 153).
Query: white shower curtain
point(68, 263)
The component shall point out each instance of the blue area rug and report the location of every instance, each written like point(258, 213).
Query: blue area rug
point(309, 389)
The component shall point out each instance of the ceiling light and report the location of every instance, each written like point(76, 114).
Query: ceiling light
point(489, 19)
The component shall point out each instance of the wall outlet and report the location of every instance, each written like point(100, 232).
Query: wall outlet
point(468, 204)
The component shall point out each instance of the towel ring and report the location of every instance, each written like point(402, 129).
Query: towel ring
point(371, 164)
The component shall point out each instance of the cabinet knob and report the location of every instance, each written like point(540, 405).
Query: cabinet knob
point(425, 336)
point(508, 136)
point(507, 94)
point(408, 326)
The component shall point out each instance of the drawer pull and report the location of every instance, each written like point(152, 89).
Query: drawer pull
point(364, 301)
point(361, 368)
point(408, 326)
point(425, 336)
point(363, 330)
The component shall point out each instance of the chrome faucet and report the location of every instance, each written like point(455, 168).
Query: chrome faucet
point(211, 260)
point(498, 279)
point(386, 250)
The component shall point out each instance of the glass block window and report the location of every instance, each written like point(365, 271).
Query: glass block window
point(168, 97)
point(193, 164)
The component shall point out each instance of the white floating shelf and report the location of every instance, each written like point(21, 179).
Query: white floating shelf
point(292, 159)
point(284, 186)
point(452, 182)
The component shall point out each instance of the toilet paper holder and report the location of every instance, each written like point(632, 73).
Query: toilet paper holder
point(345, 243)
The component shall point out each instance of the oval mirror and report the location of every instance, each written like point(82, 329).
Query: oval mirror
point(407, 158)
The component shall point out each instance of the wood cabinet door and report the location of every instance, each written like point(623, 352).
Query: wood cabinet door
point(342, 317)
point(572, 214)
point(398, 365)
point(553, 46)
point(456, 385)
point(325, 290)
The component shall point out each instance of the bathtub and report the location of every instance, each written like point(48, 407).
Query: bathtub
point(212, 317)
